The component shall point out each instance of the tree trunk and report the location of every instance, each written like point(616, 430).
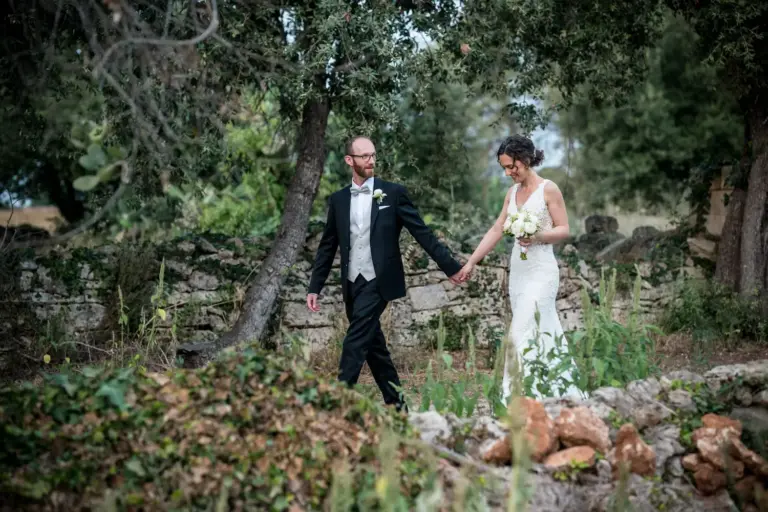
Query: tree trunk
point(263, 294)
point(62, 194)
point(728, 267)
point(754, 232)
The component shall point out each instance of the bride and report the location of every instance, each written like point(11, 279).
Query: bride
point(533, 282)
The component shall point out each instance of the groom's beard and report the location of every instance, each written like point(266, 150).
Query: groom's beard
point(364, 171)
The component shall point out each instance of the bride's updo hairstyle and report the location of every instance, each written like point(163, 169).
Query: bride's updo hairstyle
point(519, 147)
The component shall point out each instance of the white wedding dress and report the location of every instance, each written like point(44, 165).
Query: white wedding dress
point(533, 283)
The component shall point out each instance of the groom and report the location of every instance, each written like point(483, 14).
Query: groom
point(365, 220)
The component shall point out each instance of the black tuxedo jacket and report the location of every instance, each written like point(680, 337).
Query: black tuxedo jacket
point(387, 220)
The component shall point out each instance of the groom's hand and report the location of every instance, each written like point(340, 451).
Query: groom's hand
point(312, 302)
point(456, 278)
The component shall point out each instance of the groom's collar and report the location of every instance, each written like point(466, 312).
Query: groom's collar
point(370, 182)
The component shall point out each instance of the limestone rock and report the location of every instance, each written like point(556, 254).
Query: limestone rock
point(708, 479)
point(681, 400)
point(754, 421)
point(665, 440)
point(714, 445)
point(201, 281)
point(539, 432)
point(539, 428)
point(692, 461)
point(722, 423)
point(580, 426)
point(745, 489)
point(754, 462)
point(428, 297)
point(297, 315)
point(563, 459)
point(754, 373)
point(616, 399)
point(674, 467)
point(632, 453)
point(206, 246)
point(599, 409)
point(645, 390)
point(601, 224)
point(650, 413)
point(499, 452)
point(553, 405)
point(432, 426)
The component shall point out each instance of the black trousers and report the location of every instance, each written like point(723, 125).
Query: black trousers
point(365, 341)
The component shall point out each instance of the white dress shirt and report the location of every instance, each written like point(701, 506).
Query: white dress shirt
point(360, 205)
point(360, 257)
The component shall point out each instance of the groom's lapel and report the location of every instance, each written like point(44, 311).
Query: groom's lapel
point(344, 205)
point(374, 205)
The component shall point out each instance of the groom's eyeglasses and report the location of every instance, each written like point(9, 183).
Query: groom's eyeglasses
point(366, 157)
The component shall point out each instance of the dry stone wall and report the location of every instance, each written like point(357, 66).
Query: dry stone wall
point(677, 453)
point(204, 283)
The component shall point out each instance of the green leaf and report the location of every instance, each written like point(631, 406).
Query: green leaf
point(106, 172)
point(448, 360)
point(161, 313)
point(94, 159)
point(90, 372)
point(135, 467)
point(114, 394)
point(36, 490)
point(63, 381)
point(86, 183)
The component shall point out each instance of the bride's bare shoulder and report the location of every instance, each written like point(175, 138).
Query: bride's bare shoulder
point(551, 187)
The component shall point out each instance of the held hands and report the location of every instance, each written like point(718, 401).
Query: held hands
point(312, 302)
point(465, 273)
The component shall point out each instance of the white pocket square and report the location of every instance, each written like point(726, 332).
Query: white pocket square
point(384, 206)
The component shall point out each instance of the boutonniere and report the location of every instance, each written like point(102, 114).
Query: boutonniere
point(379, 195)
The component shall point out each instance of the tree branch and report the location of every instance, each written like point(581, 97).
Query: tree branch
point(125, 180)
point(350, 65)
point(212, 26)
point(7, 224)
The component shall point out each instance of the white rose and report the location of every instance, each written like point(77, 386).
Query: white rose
point(517, 227)
point(529, 227)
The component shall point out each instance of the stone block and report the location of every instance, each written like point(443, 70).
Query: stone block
point(428, 297)
point(298, 315)
point(202, 281)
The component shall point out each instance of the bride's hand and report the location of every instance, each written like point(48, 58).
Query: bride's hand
point(525, 241)
point(466, 271)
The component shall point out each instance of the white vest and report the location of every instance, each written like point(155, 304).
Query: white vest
point(360, 259)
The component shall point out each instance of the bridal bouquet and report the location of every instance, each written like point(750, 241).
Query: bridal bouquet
point(522, 225)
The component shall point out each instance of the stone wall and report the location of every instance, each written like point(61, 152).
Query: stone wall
point(678, 454)
point(204, 283)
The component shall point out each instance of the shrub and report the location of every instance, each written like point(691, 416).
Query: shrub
point(605, 352)
point(710, 312)
point(252, 431)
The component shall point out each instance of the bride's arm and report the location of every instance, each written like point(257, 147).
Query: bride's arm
point(556, 205)
point(493, 235)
